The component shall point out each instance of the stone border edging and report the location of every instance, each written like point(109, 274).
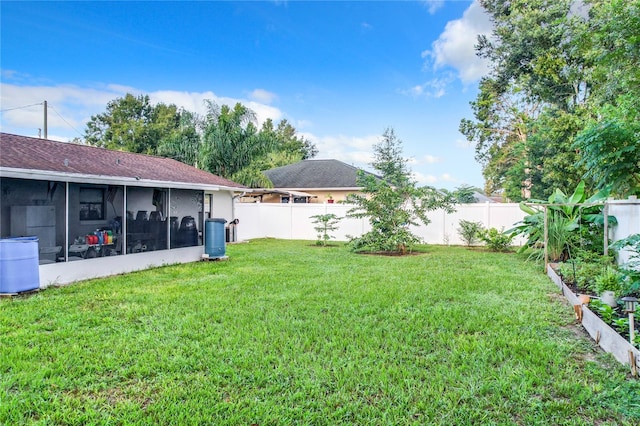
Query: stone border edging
point(606, 337)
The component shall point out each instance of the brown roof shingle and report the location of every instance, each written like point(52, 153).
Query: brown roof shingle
point(22, 152)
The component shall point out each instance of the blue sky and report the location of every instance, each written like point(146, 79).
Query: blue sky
point(341, 72)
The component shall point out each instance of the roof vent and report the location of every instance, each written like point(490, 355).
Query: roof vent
point(66, 162)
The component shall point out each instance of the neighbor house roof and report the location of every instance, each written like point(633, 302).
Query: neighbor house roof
point(66, 160)
point(314, 174)
point(481, 198)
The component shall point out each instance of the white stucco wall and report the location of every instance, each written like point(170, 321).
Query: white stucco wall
point(67, 272)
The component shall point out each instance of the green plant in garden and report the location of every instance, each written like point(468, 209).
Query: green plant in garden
point(470, 231)
point(583, 269)
point(565, 216)
point(325, 223)
point(621, 324)
point(608, 280)
point(497, 240)
point(559, 236)
point(606, 312)
point(393, 202)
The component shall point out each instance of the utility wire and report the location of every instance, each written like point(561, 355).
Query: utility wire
point(21, 107)
point(63, 119)
point(48, 106)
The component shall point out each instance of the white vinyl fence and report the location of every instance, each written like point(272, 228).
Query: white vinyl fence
point(627, 213)
point(294, 222)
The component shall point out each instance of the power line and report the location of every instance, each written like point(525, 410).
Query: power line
point(63, 119)
point(21, 107)
point(48, 106)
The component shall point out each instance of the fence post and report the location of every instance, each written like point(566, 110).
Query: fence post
point(488, 214)
point(606, 228)
point(546, 240)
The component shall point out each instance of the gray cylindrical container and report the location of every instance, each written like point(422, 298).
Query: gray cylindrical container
point(214, 237)
point(19, 265)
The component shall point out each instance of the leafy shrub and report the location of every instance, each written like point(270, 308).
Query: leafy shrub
point(497, 240)
point(631, 269)
point(621, 324)
point(470, 232)
point(606, 312)
point(570, 225)
point(609, 280)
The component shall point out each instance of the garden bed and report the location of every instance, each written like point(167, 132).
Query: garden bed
point(606, 337)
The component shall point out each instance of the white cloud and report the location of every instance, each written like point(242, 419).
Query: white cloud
point(71, 106)
point(195, 101)
point(303, 124)
point(366, 26)
point(425, 159)
point(463, 143)
point(349, 149)
point(435, 88)
point(433, 5)
point(262, 96)
point(423, 179)
point(446, 177)
point(430, 159)
point(456, 45)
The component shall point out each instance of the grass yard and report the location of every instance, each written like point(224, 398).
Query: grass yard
point(288, 333)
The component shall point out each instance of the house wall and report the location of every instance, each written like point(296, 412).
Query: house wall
point(222, 205)
point(68, 272)
point(321, 196)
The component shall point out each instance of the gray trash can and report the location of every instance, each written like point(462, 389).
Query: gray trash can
point(19, 266)
point(214, 237)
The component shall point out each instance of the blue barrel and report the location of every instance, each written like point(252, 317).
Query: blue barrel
point(19, 267)
point(214, 237)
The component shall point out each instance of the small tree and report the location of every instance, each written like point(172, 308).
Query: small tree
point(393, 202)
point(325, 223)
point(470, 232)
point(465, 194)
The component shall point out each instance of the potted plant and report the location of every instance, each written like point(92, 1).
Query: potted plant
point(329, 199)
point(608, 285)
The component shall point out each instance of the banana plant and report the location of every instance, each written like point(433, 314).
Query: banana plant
point(566, 215)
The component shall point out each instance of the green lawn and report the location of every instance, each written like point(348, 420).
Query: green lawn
point(289, 333)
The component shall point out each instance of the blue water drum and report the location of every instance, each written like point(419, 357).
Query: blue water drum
point(19, 267)
point(214, 237)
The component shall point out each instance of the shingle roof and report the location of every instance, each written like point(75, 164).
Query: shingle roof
point(314, 174)
point(22, 152)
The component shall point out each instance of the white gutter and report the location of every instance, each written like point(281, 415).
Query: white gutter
point(10, 172)
point(342, 188)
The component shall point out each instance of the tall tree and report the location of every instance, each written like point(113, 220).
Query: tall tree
point(131, 123)
point(288, 141)
point(393, 202)
point(609, 144)
point(231, 142)
point(500, 132)
point(184, 142)
point(529, 108)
